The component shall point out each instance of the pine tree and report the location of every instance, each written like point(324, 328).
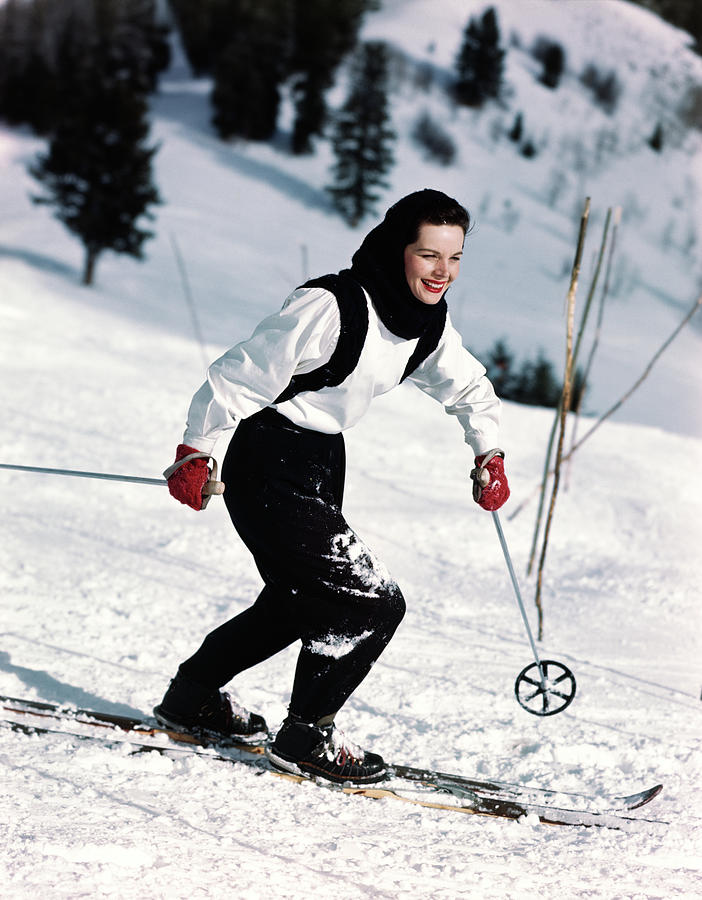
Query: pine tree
point(655, 142)
point(310, 109)
point(363, 136)
point(499, 363)
point(97, 171)
point(517, 129)
point(249, 73)
point(324, 31)
point(206, 28)
point(480, 61)
point(553, 60)
point(16, 51)
point(538, 384)
point(246, 93)
point(130, 44)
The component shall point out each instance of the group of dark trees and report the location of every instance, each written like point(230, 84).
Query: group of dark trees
point(80, 72)
point(253, 48)
point(533, 382)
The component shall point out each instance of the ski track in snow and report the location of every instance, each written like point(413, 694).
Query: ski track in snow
point(107, 587)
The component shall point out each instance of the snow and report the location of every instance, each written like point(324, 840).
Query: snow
point(107, 587)
point(336, 645)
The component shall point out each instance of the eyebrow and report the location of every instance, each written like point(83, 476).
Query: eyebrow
point(434, 250)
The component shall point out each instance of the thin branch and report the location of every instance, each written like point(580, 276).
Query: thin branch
point(190, 302)
point(621, 401)
point(585, 316)
point(575, 272)
point(565, 403)
point(639, 380)
point(593, 287)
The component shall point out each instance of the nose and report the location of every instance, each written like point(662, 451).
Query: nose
point(441, 269)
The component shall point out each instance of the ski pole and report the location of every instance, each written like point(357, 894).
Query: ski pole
point(134, 479)
point(211, 488)
point(517, 592)
point(552, 692)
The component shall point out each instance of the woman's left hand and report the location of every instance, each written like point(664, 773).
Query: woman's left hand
point(490, 487)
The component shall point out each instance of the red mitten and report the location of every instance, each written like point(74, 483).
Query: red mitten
point(187, 482)
point(495, 493)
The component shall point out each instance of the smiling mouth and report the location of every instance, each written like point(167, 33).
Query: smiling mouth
point(436, 287)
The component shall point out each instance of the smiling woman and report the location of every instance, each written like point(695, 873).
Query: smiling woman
point(306, 374)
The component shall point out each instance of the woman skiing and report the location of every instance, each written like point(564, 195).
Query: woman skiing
point(306, 374)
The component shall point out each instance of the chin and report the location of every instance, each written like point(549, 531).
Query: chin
point(431, 299)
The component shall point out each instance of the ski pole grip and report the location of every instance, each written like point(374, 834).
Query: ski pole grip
point(211, 487)
point(481, 476)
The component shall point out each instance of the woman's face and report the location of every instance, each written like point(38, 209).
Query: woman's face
point(433, 260)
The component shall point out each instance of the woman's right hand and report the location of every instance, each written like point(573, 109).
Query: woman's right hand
point(187, 482)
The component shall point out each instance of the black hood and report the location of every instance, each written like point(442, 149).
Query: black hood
point(379, 266)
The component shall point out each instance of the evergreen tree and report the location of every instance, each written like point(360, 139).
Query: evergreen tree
point(324, 31)
point(605, 86)
point(553, 60)
point(129, 44)
point(206, 28)
point(15, 53)
point(246, 93)
point(310, 109)
point(97, 171)
point(517, 129)
point(655, 142)
point(435, 141)
point(249, 72)
point(499, 364)
point(537, 384)
point(480, 61)
point(363, 136)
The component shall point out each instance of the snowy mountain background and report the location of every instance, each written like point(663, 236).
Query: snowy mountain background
point(107, 587)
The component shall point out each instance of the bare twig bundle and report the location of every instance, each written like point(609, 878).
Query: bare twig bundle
point(564, 406)
point(656, 356)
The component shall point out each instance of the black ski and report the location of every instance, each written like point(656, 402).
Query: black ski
point(413, 785)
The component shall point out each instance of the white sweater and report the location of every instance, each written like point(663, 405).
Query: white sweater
point(300, 338)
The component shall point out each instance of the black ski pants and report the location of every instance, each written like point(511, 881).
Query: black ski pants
point(323, 586)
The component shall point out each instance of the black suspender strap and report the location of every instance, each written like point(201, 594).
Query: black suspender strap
point(353, 312)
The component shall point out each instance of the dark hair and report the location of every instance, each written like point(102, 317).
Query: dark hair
point(426, 207)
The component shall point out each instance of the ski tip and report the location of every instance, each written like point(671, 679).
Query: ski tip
point(634, 801)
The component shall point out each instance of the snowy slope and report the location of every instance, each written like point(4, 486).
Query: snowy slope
point(106, 587)
point(527, 209)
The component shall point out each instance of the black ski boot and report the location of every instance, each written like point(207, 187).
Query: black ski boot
point(208, 714)
point(321, 750)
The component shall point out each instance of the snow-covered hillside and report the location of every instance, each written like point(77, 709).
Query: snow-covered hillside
point(527, 210)
point(106, 587)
